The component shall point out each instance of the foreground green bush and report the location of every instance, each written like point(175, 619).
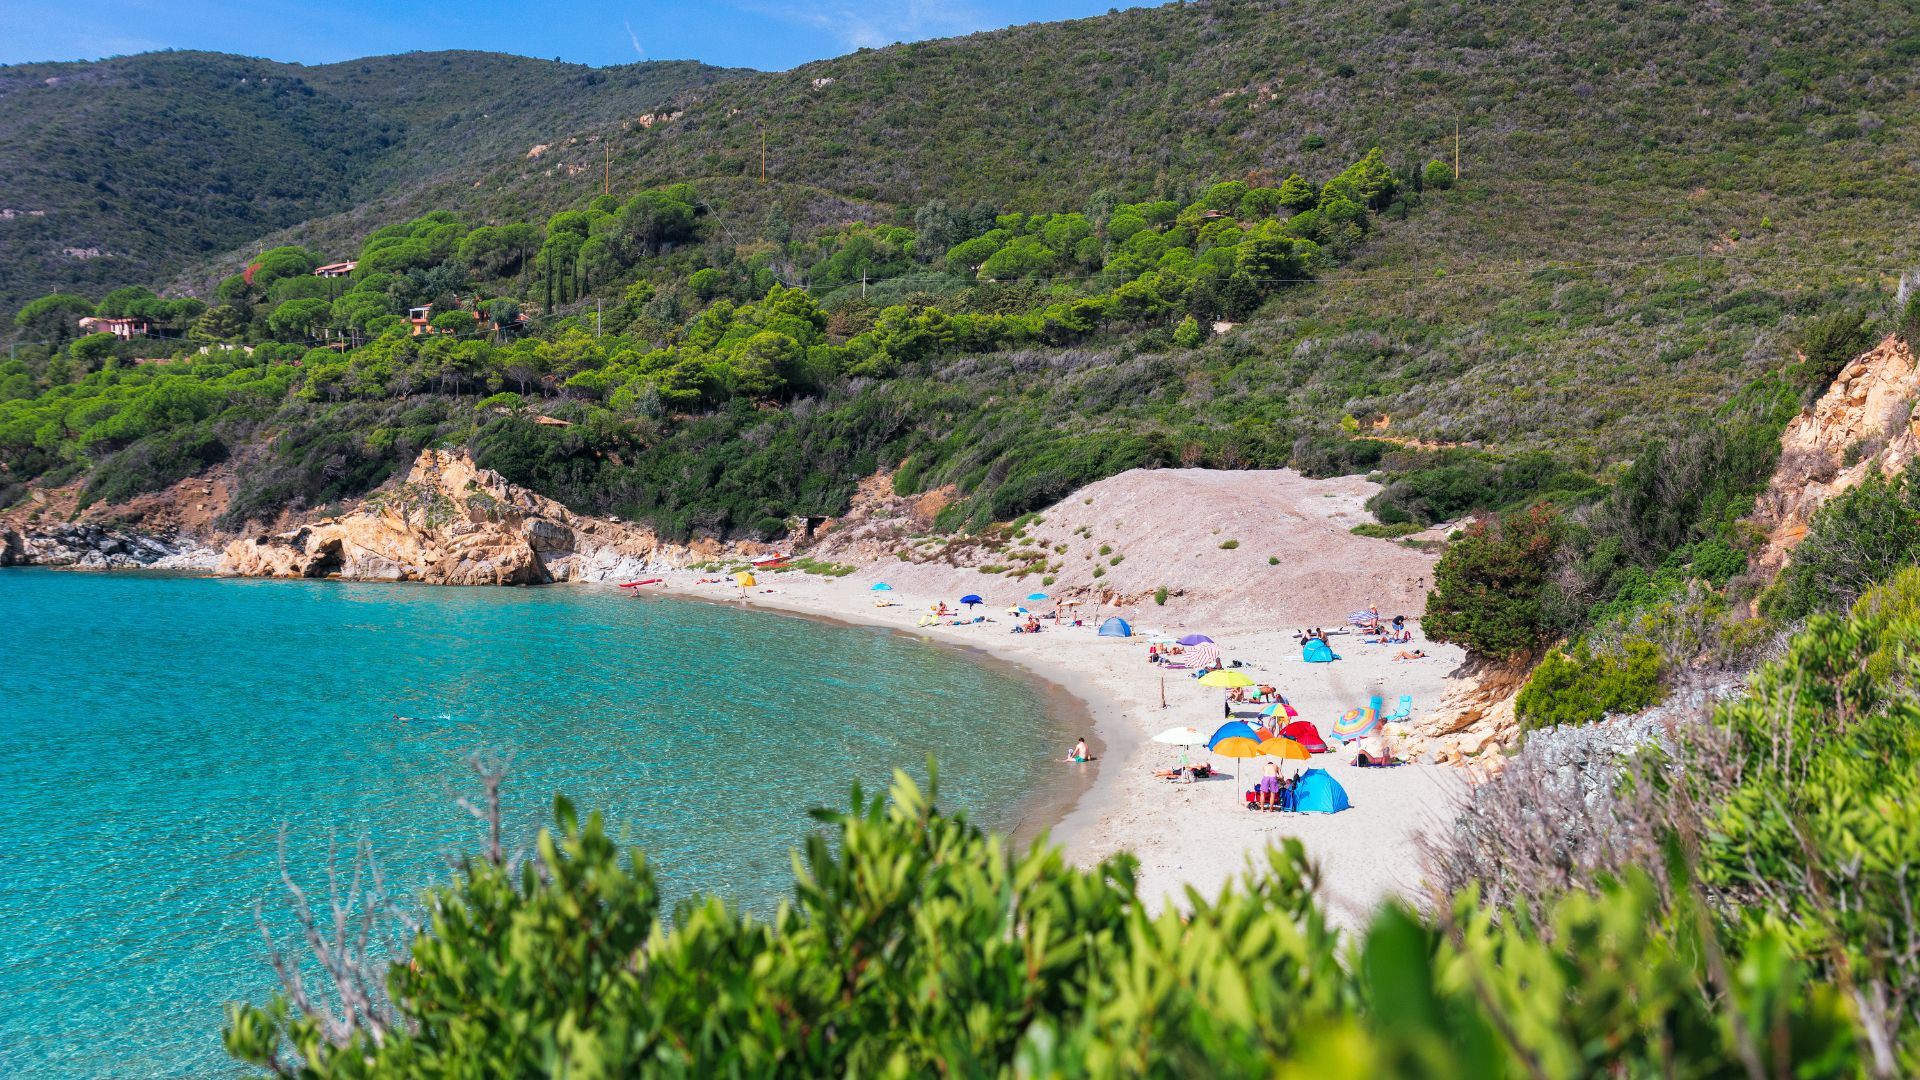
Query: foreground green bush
point(915, 945)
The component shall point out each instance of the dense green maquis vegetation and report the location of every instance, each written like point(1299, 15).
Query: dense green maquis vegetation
point(700, 391)
point(129, 170)
point(914, 944)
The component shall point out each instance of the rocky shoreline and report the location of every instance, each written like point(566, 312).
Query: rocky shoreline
point(88, 546)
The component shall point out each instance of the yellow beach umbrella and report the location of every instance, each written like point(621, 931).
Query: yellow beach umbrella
point(743, 579)
point(1226, 680)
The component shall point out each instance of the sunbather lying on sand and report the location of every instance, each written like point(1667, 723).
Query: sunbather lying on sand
point(1410, 654)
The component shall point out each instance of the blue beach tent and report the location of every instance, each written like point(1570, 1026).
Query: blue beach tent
point(1317, 652)
point(1116, 627)
point(1317, 792)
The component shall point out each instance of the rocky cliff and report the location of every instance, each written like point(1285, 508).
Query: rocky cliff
point(451, 523)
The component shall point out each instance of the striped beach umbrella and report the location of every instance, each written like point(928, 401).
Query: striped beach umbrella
point(1202, 655)
point(1281, 708)
point(1355, 723)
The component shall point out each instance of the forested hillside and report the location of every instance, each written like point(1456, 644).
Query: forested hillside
point(127, 170)
point(995, 261)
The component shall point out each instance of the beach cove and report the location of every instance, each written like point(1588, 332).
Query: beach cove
point(1192, 835)
point(160, 731)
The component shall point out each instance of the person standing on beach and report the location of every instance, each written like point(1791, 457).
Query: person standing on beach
point(1269, 784)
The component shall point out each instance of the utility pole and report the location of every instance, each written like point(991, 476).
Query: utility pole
point(596, 317)
point(606, 170)
point(1456, 151)
point(763, 153)
point(863, 286)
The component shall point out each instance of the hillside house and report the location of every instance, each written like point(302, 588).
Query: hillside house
point(336, 270)
point(421, 317)
point(124, 329)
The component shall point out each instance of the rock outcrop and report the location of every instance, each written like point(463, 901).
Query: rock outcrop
point(90, 546)
point(452, 523)
point(1863, 421)
point(1475, 715)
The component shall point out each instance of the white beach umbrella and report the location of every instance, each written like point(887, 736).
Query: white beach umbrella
point(1182, 736)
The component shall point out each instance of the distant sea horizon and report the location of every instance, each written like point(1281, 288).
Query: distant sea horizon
point(159, 732)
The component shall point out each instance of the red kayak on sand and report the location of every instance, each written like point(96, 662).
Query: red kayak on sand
point(631, 584)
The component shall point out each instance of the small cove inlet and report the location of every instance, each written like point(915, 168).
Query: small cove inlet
point(160, 732)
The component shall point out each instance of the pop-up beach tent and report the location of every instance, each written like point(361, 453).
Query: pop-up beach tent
point(1116, 627)
point(1317, 652)
point(1317, 792)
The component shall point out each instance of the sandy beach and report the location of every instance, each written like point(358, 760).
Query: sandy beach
point(1195, 834)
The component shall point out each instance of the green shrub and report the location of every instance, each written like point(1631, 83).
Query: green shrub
point(1378, 531)
point(1229, 545)
point(1829, 343)
point(1490, 587)
point(1581, 687)
point(1160, 596)
point(917, 945)
point(1861, 536)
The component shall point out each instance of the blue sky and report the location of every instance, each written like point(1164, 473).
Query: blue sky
point(745, 33)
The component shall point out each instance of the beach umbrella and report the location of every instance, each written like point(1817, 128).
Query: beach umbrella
point(880, 586)
point(1182, 736)
point(1355, 723)
point(1235, 740)
point(1285, 749)
point(743, 579)
point(1280, 708)
point(1037, 596)
point(971, 599)
point(1233, 729)
point(1225, 679)
point(1196, 639)
point(1202, 655)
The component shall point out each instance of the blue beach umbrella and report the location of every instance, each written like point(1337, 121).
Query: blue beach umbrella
point(971, 599)
point(881, 586)
point(1232, 729)
point(1195, 639)
point(1235, 739)
point(1036, 596)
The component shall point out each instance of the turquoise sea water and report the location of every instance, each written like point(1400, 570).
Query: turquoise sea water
point(157, 733)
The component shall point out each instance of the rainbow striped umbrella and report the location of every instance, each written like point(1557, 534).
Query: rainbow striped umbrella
point(1355, 723)
point(1280, 708)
